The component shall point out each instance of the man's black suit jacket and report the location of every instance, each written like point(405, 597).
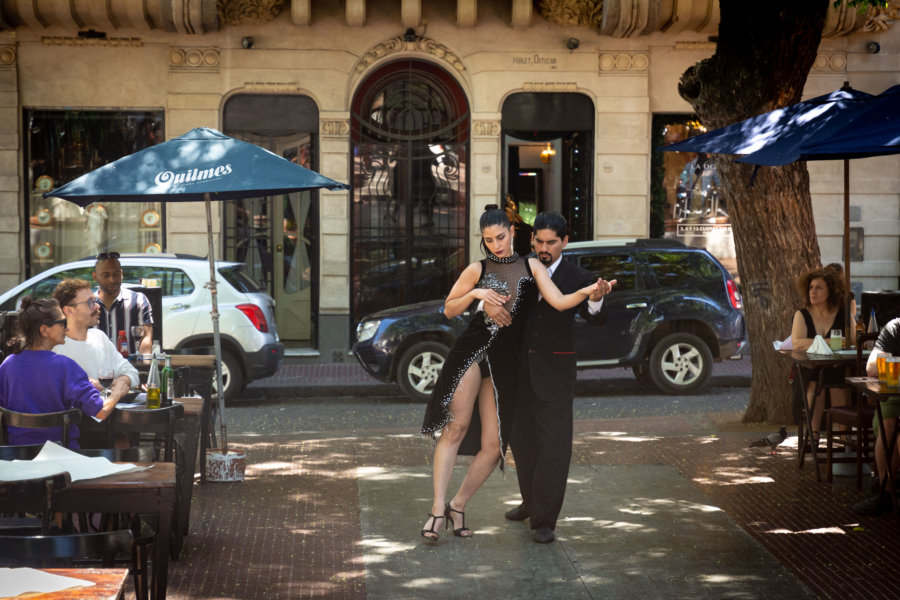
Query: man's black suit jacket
point(548, 341)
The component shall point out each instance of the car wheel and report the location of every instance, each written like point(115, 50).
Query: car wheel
point(680, 363)
point(419, 367)
point(232, 376)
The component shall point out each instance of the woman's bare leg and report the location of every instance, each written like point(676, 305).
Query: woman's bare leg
point(486, 459)
point(461, 407)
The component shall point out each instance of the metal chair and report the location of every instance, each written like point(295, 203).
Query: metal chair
point(30, 496)
point(857, 418)
point(158, 422)
point(67, 549)
point(23, 452)
point(63, 419)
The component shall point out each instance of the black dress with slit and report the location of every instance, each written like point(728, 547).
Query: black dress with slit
point(495, 350)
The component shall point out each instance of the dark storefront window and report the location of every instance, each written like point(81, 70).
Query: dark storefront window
point(548, 150)
point(687, 201)
point(61, 145)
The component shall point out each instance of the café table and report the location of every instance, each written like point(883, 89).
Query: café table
point(109, 584)
point(202, 369)
point(817, 363)
point(879, 392)
point(147, 492)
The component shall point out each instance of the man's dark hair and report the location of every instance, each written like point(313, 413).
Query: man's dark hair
point(67, 289)
point(552, 220)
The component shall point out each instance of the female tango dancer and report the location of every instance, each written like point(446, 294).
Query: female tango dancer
point(482, 366)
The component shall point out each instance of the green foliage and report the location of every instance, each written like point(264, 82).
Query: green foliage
point(861, 5)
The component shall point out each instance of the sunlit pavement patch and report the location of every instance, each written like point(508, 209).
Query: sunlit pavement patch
point(624, 532)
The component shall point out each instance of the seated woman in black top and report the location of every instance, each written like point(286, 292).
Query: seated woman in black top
point(824, 297)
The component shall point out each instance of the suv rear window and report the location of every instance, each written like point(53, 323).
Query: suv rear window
point(673, 269)
point(239, 280)
point(612, 266)
point(174, 282)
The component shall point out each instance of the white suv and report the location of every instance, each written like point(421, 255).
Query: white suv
point(250, 346)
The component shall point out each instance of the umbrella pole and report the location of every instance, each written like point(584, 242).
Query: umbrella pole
point(847, 252)
point(217, 342)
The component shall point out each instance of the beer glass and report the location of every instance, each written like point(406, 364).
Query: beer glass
point(893, 371)
point(881, 361)
point(836, 341)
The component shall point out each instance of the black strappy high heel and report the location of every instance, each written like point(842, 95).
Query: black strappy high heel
point(458, 531)
point(434, 519)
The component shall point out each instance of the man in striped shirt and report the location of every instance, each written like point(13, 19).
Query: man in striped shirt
point(120, 308)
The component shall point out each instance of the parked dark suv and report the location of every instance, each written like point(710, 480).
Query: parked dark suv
point(674, 310)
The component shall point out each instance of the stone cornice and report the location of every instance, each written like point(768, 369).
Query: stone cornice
point(77, 41)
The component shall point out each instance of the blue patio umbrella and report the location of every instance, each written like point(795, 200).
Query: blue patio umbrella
point(201, 165)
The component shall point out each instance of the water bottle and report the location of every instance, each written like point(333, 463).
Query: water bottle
point(872, 328)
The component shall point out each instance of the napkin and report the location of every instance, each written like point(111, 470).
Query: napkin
point(820, 346)
point(787, 344)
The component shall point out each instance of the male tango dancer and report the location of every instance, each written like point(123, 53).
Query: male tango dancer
point(542, 432)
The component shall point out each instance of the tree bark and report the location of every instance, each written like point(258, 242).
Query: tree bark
point(764, 53)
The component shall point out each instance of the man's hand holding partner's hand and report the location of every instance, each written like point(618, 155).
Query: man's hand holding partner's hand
point(498, 314)
point(603, 288)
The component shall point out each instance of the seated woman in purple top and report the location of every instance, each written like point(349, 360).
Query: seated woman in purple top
point(35, 380)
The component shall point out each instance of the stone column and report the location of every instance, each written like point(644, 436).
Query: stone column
point(11, 216)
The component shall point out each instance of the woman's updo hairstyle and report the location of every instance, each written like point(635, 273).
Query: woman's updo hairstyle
point(32, 314)
point(491, 216)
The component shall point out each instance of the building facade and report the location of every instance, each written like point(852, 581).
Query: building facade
point(429, 110)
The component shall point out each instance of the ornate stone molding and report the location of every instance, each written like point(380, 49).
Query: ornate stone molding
point(334, 127)
point(272, 87)
point(398, 44)
point(572, 12)
point(248, 12)
point(550, 86)
point(7, 56)
point(486, 128)
point(194, 59)
point(77, 41)
point(624, 62)
point(833, 62)
point(880, 18)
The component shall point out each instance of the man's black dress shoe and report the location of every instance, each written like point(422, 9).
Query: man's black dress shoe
point(519, 513)
point(544, 535)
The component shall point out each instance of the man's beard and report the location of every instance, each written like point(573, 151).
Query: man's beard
point(546, 259)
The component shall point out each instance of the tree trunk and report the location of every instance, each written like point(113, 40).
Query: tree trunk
point(764, 53)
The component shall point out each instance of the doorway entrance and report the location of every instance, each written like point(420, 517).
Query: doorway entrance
point(408, 213)
point(276, 237)
point(548, 141)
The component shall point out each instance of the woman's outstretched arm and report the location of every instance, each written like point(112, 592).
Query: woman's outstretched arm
point(464, 292)
point(551, 293)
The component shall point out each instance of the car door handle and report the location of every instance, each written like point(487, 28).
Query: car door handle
point(636, 305)
point(179, 306)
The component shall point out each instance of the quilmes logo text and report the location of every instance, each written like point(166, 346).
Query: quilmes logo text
point(168, 178)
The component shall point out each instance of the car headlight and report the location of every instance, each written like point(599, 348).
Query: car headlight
point(366, 329)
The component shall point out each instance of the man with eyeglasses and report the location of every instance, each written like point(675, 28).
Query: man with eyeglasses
point(87, 345)
point(120, 307)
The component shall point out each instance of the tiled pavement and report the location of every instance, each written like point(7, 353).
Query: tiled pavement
point(295, 527)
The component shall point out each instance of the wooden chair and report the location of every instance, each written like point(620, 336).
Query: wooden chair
point(63, 419)
point(135, 454)
point(68, 549)
point(30, 496)
point(24, 452)
point(856, 419)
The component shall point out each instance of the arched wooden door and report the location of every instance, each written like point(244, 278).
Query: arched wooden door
point(408, 221)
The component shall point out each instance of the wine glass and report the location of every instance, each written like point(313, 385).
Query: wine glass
point(137, 334)
point(105, 377)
